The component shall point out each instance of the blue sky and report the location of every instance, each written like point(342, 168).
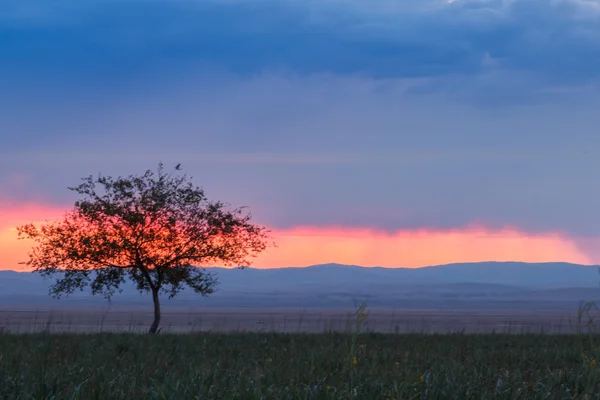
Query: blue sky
point(381, 114)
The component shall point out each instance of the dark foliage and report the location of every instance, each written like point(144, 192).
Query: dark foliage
point(159, 230)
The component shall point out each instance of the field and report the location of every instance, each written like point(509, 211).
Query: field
point(287, 320)
point(355, 364)
point(298, 366)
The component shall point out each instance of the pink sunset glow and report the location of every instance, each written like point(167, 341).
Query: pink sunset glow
point(303, 246)
point(417, 248)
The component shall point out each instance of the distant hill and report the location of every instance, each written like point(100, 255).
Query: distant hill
point(470, 285)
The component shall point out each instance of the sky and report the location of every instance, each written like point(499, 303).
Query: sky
point(379, 133)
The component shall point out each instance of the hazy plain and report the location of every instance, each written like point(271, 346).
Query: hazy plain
point(289, 320)
point(474, 298)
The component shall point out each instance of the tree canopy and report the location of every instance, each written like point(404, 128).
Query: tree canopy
point(157, 229)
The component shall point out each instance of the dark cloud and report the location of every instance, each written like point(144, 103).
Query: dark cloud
point(317, 112)
point(112, 41)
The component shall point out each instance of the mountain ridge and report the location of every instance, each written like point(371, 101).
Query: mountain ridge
point(483, 284)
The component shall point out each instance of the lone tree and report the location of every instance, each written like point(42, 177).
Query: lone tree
point(157, 229)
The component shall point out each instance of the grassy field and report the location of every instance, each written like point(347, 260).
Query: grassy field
point(298, 366)
point(269, 365)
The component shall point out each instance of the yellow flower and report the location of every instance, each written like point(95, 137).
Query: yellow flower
point(354, 361)
point(592, 363)
point(421, 379)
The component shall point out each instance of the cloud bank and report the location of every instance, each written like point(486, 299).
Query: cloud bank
point(470, 47)
point(383, 115)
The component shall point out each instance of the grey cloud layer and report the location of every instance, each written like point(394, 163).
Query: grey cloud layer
point(328, 150)
point(555, 41)
point(316, 112)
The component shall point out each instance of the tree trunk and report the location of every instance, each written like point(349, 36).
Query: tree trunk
point(154, 326)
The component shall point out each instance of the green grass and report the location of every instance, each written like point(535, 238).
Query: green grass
point(298, 366)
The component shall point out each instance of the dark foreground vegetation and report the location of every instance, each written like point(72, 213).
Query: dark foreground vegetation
point(298, 366)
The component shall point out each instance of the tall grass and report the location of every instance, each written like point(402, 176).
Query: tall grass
point(267, 365)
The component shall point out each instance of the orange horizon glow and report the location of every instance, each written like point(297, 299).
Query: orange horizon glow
point(414, 248)
point(12, 250)
point(310, 245)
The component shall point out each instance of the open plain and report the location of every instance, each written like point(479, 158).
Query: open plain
point(289, 320)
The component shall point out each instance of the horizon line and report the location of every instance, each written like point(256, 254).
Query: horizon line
point(333, 264)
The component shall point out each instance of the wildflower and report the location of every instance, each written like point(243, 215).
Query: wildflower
point(421, 379)
point(592, 363)
point(328, 387)
point(354, 361)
